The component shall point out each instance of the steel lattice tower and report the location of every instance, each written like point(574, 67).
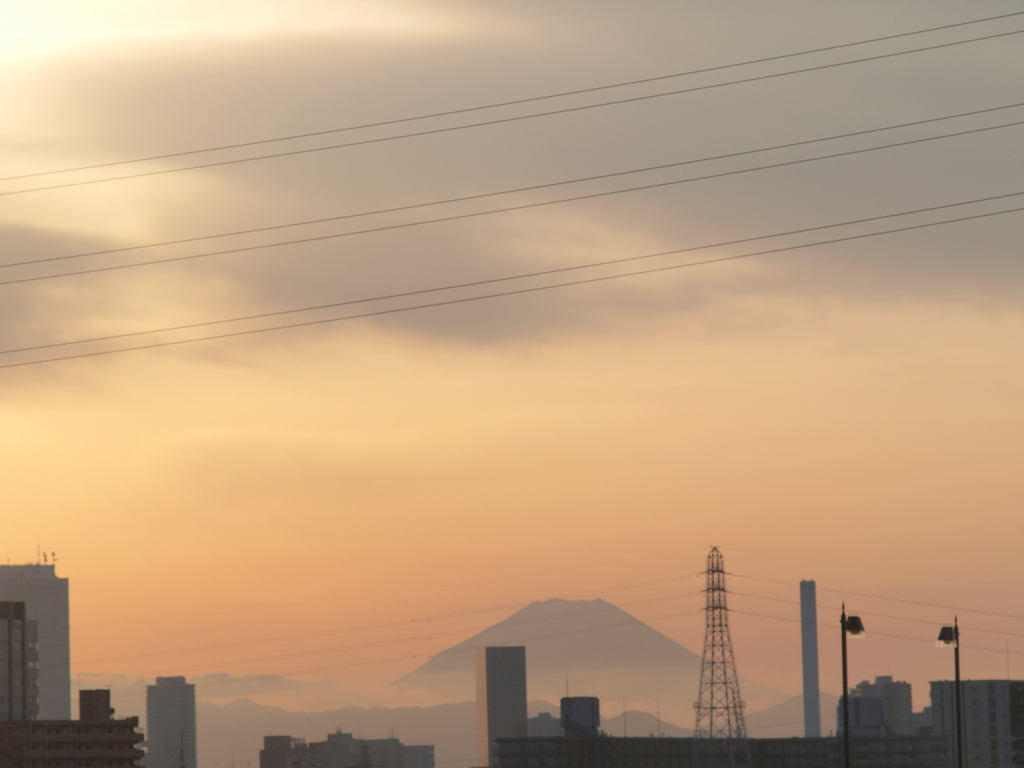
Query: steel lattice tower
point(720, 735)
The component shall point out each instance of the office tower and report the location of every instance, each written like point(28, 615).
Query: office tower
point(46, 602)
point(993, 720)
point(897, 703)
point(500, 697)
point(19, 691)
point(170, 724)
point(809, 646)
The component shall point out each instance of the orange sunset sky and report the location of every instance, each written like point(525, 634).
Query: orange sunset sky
point(849, 413)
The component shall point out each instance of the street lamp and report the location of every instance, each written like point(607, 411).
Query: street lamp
point(950, 636)
point(854, 627)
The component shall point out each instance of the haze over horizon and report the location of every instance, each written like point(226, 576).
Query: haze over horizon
point(313, 513)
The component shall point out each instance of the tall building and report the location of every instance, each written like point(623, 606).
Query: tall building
point(46, 602)
point(19, 690)
point(500, 698)
point(94, 740)
point(809, 648)
point(993, 720)
point(897, 703)
point(170, 724)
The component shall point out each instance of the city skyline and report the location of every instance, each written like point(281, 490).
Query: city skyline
point(311, 513)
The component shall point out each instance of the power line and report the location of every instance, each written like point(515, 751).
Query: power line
point(393, 659)
point(881, 634)
point(876, 615)
point(516, 101)
point(390, 624)
point(451, 633)
point(507, 278)
point(892, 599)
point(530, 188)
point(507, 209)
point(535, 289)
point(504, 120)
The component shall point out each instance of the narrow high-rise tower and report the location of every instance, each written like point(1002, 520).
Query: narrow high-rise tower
point(720, 735)
point(170, 724)
point(809, 645)
point(46, 602)
point(500, 698)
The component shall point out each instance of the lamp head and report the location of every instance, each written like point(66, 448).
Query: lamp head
point(854, 626)
point(947, 637)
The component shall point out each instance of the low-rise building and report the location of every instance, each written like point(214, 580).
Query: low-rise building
point(651, 752)
point(343, 750)
point(96, 740)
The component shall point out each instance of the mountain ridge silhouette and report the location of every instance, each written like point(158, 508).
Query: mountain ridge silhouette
point(602, 649)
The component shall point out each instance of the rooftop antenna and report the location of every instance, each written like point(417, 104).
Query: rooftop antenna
point(567, 685)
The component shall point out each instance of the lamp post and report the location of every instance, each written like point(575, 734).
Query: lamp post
point(853, 626)
point(950, 636)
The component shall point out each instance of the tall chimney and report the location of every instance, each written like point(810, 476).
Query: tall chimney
point(809, 643)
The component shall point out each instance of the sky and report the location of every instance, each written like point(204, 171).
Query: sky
point(848, 412)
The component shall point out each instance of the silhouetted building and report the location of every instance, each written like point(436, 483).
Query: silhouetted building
point(921, 722)
point(621, 752)
point(897, 703)
point(170, 724)
point(867, 719)
point(343, 750)
point(94, 706)
point(581, 716)
point(500, 697)
point(46, 602)
point(419, 755)
point(544, 724)
point(809, 651)
point(95, 740)
point(19, 658)
point(993, 720)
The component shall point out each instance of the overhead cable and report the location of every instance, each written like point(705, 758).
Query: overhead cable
point(508, 278)
point(531, 188)
point(527, 100)
point(515, 292)
point(521, 207)
point(511, 119)
point(892, 599)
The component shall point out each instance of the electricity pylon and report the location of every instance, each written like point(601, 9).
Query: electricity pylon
point(720, 735)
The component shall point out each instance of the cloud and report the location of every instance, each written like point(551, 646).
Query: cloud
point(183, 94)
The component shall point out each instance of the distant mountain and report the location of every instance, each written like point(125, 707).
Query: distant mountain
point(231, 735)
point(605, 652)
point(787, 719)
